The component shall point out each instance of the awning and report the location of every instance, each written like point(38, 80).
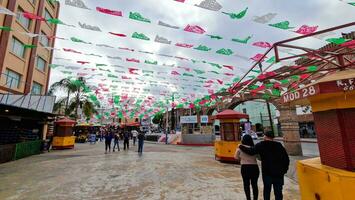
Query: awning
point(37, 103)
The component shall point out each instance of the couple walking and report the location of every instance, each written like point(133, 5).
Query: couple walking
point(274, 165)
point(135, 134)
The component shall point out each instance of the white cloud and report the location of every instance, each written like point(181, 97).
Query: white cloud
point(315, 12)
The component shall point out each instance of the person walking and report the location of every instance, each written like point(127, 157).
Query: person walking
point(249, 170)
point(134, 136)
point(92, 137)
point(141, 137)
point(116, 141)
point(50, 142)
point(108, 140)
point(101, 134)
point(126, 140)
point(274, 164)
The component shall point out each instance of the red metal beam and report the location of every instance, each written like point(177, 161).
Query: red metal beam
point(257, 63)
point(281, 43)
point(316, 33)
point(324, 59)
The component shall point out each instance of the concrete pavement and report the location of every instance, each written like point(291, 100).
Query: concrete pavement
point(162, 172)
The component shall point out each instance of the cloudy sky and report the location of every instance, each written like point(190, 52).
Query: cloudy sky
point(321, 13)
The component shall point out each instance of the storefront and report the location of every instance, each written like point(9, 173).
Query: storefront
point(23, 130)
point(196, 130)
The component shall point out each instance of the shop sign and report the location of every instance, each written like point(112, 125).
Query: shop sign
point(145, 122)
point(188, 119)
point(300, 94)
point(346, 84)
point(204, 119)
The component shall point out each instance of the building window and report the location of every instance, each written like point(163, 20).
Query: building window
point(229, 132)
point(18, 48)
point(25, 22)
point(43, 39)
point(41, 64)
point(47, 15)
point(12, 79)
point(36, 88)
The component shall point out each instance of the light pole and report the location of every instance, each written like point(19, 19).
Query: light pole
point(268, 106)
point(166, 125)
point(113, 109)
point(167, 119)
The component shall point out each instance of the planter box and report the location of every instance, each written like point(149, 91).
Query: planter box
point(7, 152)
point(63, 142)
point(25, 149)
point(197, 138)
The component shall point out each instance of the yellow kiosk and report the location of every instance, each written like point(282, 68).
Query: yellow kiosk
point(332, 176)
point(230, 134)
point(63, 134)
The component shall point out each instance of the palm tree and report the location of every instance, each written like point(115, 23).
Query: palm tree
point(59, 105)
point(87, 107)
point(65, 84)
point(76, 88)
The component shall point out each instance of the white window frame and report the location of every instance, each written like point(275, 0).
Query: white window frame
point(25, 22)
point(18, 47)
point(35, 87)
point(47, 14)
point(13, 79)
point(41, 68)
point(43, 39)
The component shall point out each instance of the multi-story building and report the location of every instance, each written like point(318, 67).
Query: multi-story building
point(26, 38)
point(24, 59)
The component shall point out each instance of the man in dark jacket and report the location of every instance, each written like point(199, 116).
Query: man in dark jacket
point(108, 140)
point(141, 137)
point(274, 164)
point(126, 136)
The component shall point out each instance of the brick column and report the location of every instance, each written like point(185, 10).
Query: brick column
point(290, 130)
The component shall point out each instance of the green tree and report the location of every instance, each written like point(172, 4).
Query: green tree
point(158, 119)
point(67, 85)
point(76, 97)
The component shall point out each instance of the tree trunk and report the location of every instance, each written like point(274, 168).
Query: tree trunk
point(66, 104)
point(173, 119)
point(77, 104)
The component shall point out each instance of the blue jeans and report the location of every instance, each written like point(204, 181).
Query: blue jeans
point(116, 143)
point(277, 183)
point(140, 146)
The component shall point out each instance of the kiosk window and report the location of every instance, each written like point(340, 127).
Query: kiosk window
point(228, 129)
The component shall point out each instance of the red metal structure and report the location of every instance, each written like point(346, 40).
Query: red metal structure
point(329, 58)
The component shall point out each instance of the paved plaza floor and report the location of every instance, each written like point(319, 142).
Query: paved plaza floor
point(162, 172)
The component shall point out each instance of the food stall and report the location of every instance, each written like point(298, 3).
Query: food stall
point(230, 134)
point(332, 176)
point(63, 134)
